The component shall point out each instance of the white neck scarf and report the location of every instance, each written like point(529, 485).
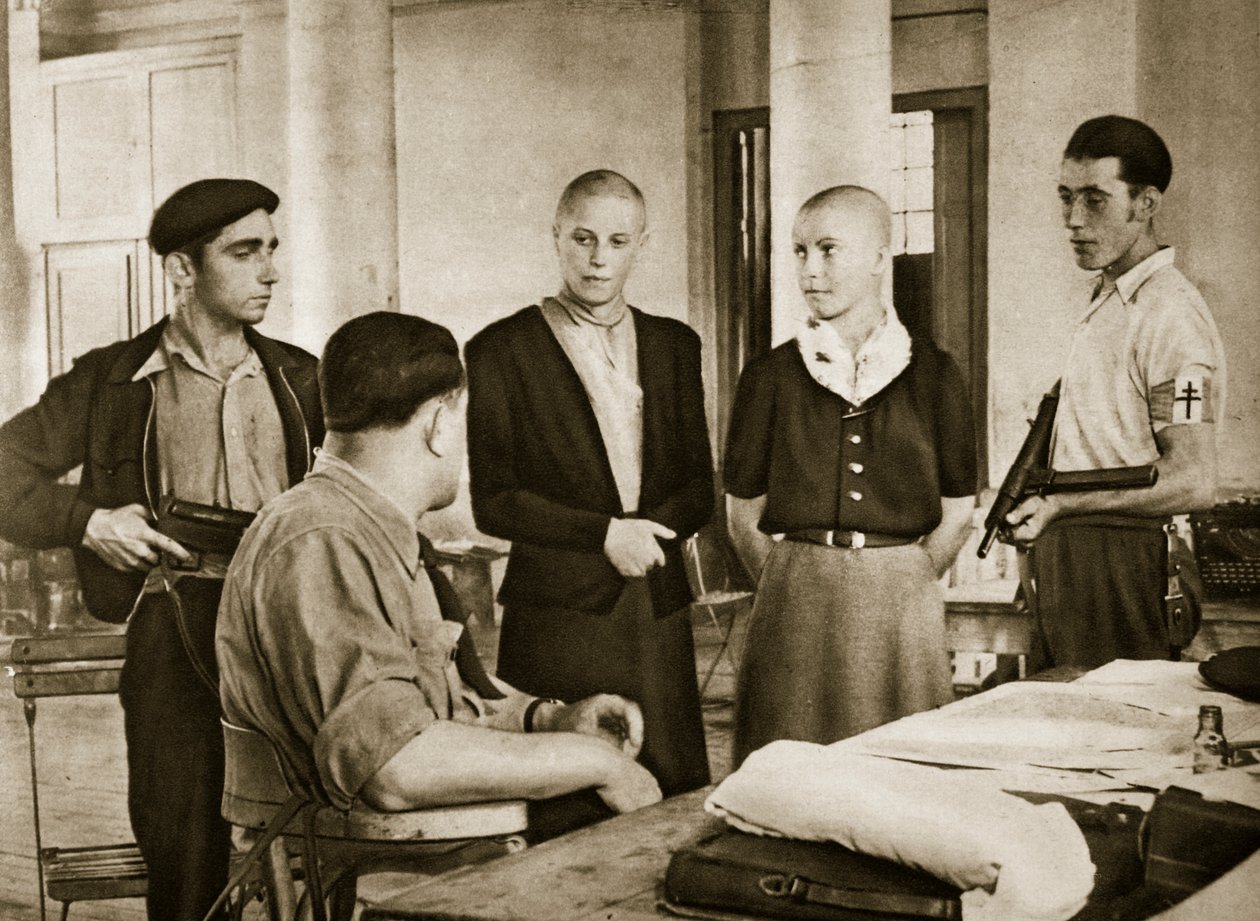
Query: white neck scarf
point(883, 356)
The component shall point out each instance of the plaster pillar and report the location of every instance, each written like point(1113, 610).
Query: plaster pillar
point(830, 107)
point(342, 211)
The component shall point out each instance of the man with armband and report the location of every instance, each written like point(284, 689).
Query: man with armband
point(186, 429)
point(1144, 384)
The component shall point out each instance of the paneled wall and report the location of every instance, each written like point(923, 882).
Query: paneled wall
point(99, 140)
point(498, 107)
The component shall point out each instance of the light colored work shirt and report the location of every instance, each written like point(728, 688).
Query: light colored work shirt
point(219, 442)
point(605, 355)
point(1145, 355)
point(330, 639)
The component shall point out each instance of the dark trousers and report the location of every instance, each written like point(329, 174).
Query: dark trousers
point(570, 655)
point(175, 751)
point(1100, 594)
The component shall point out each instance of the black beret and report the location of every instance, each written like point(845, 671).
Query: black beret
point(205, 206)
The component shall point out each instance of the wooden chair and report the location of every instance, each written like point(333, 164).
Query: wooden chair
point(341, 845)
point(721, 589)
point(60, 667)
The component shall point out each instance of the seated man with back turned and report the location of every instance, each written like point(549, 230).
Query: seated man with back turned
point(339, 639)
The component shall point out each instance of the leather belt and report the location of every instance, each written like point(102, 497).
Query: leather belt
point(854, 539)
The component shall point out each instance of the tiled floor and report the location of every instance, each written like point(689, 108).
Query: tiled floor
point(82, 787)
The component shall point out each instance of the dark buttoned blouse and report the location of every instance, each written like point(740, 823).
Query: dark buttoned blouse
point(823, 463)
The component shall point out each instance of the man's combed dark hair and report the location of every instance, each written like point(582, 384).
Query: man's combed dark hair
point(378, 369)
point(1144, 158)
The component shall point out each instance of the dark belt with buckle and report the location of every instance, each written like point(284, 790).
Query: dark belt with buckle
point(854, 539)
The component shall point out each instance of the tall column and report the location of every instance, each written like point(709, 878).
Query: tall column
point(830, 105)
point(342, 203)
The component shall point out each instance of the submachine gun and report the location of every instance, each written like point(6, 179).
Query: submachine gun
point(1030, 475)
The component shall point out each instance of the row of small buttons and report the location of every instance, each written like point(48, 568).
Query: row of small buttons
point(856, 468)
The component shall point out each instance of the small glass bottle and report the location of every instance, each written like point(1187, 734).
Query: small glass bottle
point(1211, 751)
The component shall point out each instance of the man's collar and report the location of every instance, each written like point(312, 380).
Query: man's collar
point(398, 529)
point(176, 339)
point(1127, 284)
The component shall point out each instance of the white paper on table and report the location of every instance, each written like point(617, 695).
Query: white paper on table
point(1045, 725)
point(1173, 688)
point(1235, 785)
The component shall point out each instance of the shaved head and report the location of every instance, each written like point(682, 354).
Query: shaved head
point(854, 202)
point(600, 183)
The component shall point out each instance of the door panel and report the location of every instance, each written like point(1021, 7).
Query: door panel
point(100, 148)
point(91, 298)
point(193, 124)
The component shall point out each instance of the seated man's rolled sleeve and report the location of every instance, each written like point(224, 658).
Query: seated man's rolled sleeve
point(364, 731)
point(352, 682)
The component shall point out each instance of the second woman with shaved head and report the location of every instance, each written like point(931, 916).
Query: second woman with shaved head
point(855, 443)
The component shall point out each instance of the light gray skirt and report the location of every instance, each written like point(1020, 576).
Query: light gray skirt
point(840, 641)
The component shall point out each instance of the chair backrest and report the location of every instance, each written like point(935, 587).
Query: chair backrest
point(63, 666)
point(253, 781)
point(711, 563)
point(67, 665)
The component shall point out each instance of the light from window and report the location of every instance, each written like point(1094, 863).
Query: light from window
point(910, 192)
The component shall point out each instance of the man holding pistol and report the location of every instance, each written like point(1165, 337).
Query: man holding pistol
point(1144, 384)
point(202, 408)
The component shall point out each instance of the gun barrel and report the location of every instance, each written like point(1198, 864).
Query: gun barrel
point(986, 544)
point(1106, 478)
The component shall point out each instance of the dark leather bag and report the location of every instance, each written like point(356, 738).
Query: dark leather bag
point(1191, 841)
point(732, 876)
point(732, 871)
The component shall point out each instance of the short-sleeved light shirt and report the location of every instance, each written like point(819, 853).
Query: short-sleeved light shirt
point(330, 639)
point(1145, 355)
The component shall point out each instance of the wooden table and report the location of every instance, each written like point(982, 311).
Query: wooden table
point(610, 872)
point(607, 872)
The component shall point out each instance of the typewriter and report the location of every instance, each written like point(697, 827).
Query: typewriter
point(1227, 547)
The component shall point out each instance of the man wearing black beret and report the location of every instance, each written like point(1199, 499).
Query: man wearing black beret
point(203, 408)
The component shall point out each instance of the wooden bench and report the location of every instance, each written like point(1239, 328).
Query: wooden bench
point(61, 667)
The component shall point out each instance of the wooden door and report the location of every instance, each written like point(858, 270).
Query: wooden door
point(741, 237)
point(942, 293)
point(93, 297)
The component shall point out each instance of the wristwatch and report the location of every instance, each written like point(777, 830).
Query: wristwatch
point(528, 717)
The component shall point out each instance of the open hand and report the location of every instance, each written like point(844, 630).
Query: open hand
point(124, 539)
point(631, 545)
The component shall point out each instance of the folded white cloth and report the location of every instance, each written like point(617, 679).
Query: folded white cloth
point(1015, 861)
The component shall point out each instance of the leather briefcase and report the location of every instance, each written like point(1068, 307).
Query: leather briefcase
point(1192, 841)
point(735, 872)
point(730, 876)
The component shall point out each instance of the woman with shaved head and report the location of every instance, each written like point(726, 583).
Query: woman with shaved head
point(855, 443)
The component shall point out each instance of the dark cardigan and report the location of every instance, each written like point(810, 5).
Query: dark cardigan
point(541, 476)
